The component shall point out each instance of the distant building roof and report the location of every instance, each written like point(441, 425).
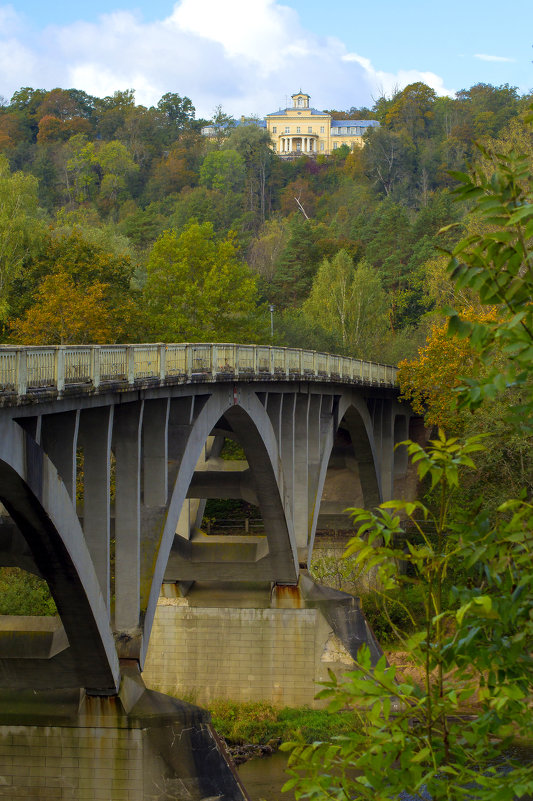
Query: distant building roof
point(292, 109)
point(259, 123)
point(354, 123)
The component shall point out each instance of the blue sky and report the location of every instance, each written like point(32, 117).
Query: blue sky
point(248, 55)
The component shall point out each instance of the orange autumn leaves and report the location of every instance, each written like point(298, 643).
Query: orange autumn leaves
point(430, 382)
point(65, 314)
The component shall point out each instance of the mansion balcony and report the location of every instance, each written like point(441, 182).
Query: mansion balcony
point(296, 145)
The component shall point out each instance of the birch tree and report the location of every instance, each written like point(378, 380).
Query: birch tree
point(350, 303)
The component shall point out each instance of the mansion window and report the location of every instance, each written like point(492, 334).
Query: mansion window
point(321, 129)
point(298, 129)
point(274, 129)
point(309, 130)
point(335, 145)
point(322, 146)
point(287, 129)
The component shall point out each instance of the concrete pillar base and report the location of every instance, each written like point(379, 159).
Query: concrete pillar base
point(247, 642)
point(139, 746)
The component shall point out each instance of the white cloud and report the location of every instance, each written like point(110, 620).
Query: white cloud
point(385, 83)
point(484, 57)
point(247, 55)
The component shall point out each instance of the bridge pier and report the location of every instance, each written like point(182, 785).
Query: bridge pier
point(254, 642)
point(138, 746)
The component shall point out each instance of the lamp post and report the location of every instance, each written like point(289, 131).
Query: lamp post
point(271, 308)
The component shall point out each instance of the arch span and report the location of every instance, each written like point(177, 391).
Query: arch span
point(37, 500)
point(246, 414)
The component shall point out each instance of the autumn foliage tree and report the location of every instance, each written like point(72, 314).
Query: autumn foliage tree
point(65, 314)
point(430, 381)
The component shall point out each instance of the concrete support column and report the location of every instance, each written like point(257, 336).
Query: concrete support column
point(387, 450)
point(273, 408)
point(95, 431)
point(401, 433)
point(155, 452)
point(314, 451)
point(384, 445)
point(301, 474)
point(287, 445)
point(127, 448)
point(59, 439)
point(179, 428)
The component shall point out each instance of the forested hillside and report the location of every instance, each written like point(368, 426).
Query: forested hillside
point(123, 223)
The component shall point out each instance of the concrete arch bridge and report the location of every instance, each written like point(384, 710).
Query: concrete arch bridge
point(108, 453)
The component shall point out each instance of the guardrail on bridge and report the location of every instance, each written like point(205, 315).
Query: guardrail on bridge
point(28, 369)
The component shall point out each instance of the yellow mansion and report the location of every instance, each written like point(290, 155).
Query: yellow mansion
point(301, 129)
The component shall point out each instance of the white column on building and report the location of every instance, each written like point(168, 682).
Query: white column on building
point(306, 146)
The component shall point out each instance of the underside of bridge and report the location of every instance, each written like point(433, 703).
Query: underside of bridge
point(104, 497)
point(105, 500)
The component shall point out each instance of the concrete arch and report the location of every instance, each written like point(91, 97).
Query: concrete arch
point(243, 408)
point(354, 410)
point(37, 500)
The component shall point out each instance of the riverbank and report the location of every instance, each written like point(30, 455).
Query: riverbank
point(258, 728)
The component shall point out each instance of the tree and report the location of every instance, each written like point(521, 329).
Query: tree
point(253, 144)
point(197, 290)
point(117, 166)
point(177, 113)
point(85, 260)
point(223, 124)
point(412, 110)
point(349, 302)
point(266, 249)
point(223, 170)
point(65, 314)
point(20, 229)
point(80, 172)
point(387, 158)
point(430, 382)
point(478, 645)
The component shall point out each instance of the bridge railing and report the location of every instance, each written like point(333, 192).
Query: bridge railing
point(27, 369)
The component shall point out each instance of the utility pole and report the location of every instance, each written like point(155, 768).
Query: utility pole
point(271, 309)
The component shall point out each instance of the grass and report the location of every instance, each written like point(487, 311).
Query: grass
point(258, 722)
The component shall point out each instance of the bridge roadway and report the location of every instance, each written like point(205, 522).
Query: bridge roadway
point(107, 454)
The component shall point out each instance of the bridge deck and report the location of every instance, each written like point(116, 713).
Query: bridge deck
point(38, 371)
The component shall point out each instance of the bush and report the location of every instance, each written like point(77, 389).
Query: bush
point(23, 593)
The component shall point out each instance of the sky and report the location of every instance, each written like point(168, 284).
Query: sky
point(249, 56)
